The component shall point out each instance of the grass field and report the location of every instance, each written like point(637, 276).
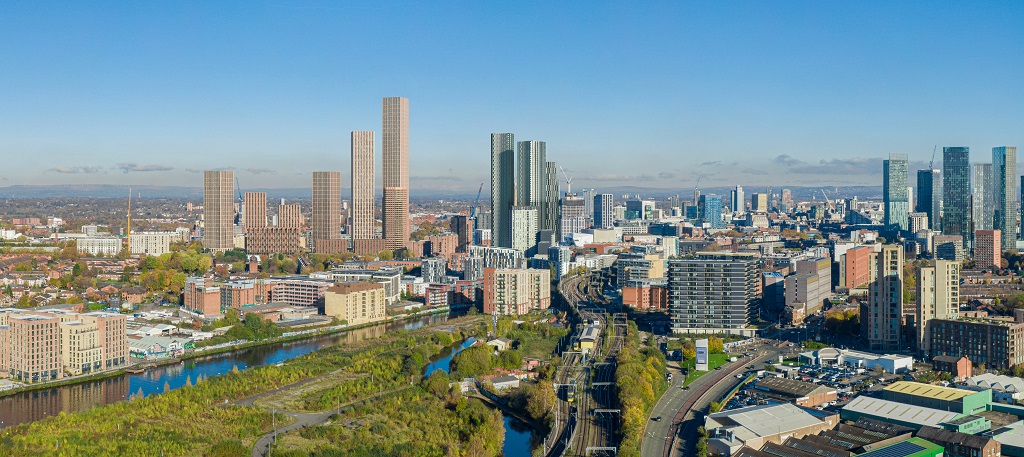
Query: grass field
point(714, 360)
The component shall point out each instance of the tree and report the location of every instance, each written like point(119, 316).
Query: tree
point(386, 255)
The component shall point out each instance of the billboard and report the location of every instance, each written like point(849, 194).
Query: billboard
point(702, 355)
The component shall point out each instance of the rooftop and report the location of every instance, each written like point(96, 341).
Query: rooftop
point(927, 390)
point(766, 420)
point(898, 411)
point(914, 447)
point(996, 382)
point(790, 387)
point(350, 287)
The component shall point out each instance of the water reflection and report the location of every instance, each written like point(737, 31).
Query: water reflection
point(32, 406)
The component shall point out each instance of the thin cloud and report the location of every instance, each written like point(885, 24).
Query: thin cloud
point(435, 178)
point(614, 178)
point(854, 166)
point(128, 167)
point(787, 160)
point(710, 163)
point(666, 175)
point(258, 171)
point(76, 170)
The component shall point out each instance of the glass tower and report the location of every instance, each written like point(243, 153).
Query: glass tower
point(894, 193)
point(982, 201)
point(1004, 167)
point(929, 196)
point(955, 192)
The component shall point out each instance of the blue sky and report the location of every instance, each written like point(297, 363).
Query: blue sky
point(651, 94)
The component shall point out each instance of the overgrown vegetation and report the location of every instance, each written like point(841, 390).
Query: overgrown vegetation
point(640, 381)
point(192, 420)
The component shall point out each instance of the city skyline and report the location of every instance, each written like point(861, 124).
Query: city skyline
point(745, 116)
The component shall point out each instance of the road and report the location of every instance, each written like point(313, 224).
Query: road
point(676, 405)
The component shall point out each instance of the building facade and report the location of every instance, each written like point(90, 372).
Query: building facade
point(326, 218)
point(395, 171)
point(929, 196)
point(362, 186)
point(896, 199)
point(357, 303)
point(218, 210)
point(988, 248)
point(938, 297)
point(883, 317)
point(1005, 216)
point(997, 344)
point(714, 292)
point(982, 198)
point(516, 292)
point(503, 182)
point(604, 217)
point(956, 192)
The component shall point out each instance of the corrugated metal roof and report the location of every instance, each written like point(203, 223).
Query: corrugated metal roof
point(927, 390)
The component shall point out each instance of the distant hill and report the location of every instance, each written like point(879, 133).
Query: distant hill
point(196, 193)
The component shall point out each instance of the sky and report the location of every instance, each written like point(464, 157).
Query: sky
point(650, 94)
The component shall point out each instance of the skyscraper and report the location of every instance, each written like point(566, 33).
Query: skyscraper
point(894, 193)
point(603, 207)
point(588, 198)
point(503, 188)
point(982, 200)
point(549, 201)
point(572, 217)
point(929, 195)
point(462, 226)
point(218, 210)
point(362, 185)
point(532, 177)
point(709, 211)
point(956, 192)
point(326, 209)
point(395, 160)
point(1005, 216)
point(289, 215)
point(738, 204)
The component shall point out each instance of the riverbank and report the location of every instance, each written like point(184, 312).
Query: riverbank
point(185, 421)
point(151, 364)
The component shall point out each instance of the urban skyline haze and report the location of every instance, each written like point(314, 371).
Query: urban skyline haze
point(650, 95)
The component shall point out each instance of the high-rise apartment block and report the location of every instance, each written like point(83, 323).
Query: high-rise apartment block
point(289, 215)
point(254, 207)
point(938, 297)
point(988, 248)
point(503, 188)
point(516, 292)
point(709, 211)
point(982, 197)
point(759, 203)
point(572, 216)
point(395, 160)
point(714, 293)
point(1004, 182)
point(218, 210)
point(151, 243)
point(604, 216)
point(882, 318)
point(524, 228)
point(326, 221)
point(994, 342)
point(362, 185)
point(895, 197)
point(929, 196)
point(462, 227)
point(956, 192)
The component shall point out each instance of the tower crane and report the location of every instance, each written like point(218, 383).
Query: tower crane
point(568, 180)
point(931, 163)
point(476, 203)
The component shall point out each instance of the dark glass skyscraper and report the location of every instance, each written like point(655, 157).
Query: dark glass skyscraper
point(895, 196)
point(1004, 168)
point(503, 180)
point(956, 191)
point(929, 196)
point(709, 211)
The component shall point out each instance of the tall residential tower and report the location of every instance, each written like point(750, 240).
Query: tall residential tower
point(503, 188)
point(218, 210)
point(1005, 216)
point(362, 185)
point(395, 161)
point(326, 211)
point(956, 192)
point(894, 193)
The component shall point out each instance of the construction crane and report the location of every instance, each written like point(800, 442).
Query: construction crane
point(476, 203)
point(931, 163)
point(828, 203)
point(239, 189)
point(568, 181)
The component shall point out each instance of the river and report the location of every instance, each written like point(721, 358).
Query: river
point(520, 438)
point(38, 404)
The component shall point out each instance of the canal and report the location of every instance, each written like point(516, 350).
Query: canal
point(38, 404)
point(520, 438)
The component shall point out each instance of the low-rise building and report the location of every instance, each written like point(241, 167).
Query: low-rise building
point(500, 344)
point(1005, 389)
point(890, 363)
point(996, 343)
point(898, 413)
point(958, 444)
point(958, 367)
point(755, 426)
point(356, 303)
point(201, 296)
point(107, 246)
point(151, 243)
point(801, 393)
point(937, 397)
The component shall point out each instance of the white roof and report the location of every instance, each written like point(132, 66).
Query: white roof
point(899, 411)
point(1012, 435)
point(996, 382)
point(765, 420)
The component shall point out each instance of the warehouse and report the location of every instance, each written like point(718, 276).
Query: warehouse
point(936, 397)
point(800, 393)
